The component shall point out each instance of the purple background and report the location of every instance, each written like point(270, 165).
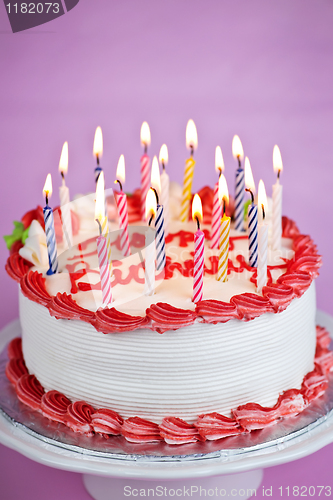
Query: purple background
point(260, 69)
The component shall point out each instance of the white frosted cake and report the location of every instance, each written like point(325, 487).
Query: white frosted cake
point(161, 367)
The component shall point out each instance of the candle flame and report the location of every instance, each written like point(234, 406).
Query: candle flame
point(150, 204)
point(237, 148)
point(277, 160)
point(191, 135)
point(249, 181)
point(223, 190)
point(164, 156)
point(47, 189)
point(219, 163)
point(120, 174)
point(100, 197)
point(145, 134)
point(155, 178)
point(262, 198)
point(197, 207)
point(63, 163)
point(98, 142)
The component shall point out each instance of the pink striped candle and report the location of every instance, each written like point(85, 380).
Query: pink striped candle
point(216, 219)
point(145, 168)
point(199, 244)
point(104, 269)
point(123, 223)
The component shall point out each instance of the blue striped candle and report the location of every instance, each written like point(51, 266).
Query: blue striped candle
point(50, 240)
point(160, 238)
point(239, 199)
point(253, 234)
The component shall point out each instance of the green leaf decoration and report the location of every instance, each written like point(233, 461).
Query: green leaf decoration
point(25, 235)
point(16, 235)
point(246, 206)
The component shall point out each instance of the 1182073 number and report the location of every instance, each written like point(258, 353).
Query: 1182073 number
point(33, 8)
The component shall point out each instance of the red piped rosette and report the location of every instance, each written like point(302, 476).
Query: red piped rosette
point(33, 287)
point(54, 406)
point(279, 295)
point(164, 317)
point(14, 348)
point(106, 422)
point(17, 267)
point(139, 430)
point(111, 321)
point(78, 417)
point(15, 369)
point(250, 305)
point(215, 311)
point(214, 426)
point(63, 306)
point(323, 337)
point(176, 431)
point(29, 391)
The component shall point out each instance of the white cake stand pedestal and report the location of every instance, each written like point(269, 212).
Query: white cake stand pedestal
point(107, 479)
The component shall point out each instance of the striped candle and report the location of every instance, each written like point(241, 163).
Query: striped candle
point(150, 254)
point(165, 184)
point(101, 217)
point(102, 252)
point(216, 219)
point(50, 240)
point(198, 270)
point(121, 199)
point(145, 182)
point(253, 234)
point(262, 256)
point(106, 233)
point(187, 189)
point(239, 200)
point(160, 238)
point(222, 272)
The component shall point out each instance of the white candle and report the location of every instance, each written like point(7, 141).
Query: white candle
point(64, 199)
point(165, 186)
point(277, 200)
point(150, 250)
point(262, 238)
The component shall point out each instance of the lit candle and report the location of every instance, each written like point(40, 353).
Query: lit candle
point(98, 151)
point(145, 166)
point(277, 200)
point(150, 245)
point(102, 245)
point(191, 144)
point(64, 199)
point(262, 238)
point(222, 272)
point(100, 215)
point(49, 228)
point(121, 200)
point(252, 216)
point(165, 184)
point(217, 209)
point(159, 219)
point(199, 245)
point(238, 154)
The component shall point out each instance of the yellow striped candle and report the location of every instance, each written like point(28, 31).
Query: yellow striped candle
point(222, 272)
point(191, 143)
point(99, 214)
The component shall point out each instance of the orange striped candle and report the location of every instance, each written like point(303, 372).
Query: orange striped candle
point(191, 143)
point(222, 271)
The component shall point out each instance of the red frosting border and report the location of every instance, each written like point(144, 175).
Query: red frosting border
point(83, 418)
point(160, 317)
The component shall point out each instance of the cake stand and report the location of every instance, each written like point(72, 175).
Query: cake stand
point(105, 478)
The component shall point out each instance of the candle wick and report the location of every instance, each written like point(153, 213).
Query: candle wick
point(263, 211)
point(146, 148)
point(249, 190)
point(220, 171)
point(63, 178)
point(150, 220)
point(155, 195)
point(278, 174)
point(163, 166)
point(97, 158)
point(47, 198)
point(192, 149)
point(239, 161)
point(198, 222)
point(120, 184)
point(99, 225)
point(223, 206)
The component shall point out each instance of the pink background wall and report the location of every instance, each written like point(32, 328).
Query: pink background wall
point(260, 69)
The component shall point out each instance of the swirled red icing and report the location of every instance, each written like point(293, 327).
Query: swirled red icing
point(279, 295)
point(139, 430)
point(54, 405)
point(164, 317)
point(63, 306)
point(82, 417)
point(33, 287)
point(176, 431)
point(15, 368)
point(78, 417)
point(251, 306)
point(289, 228)
point(106, 422)
point(14, 348)
point(29, 391)
point(299, 281)
point(215, 426)
point(17, 267)
point(215, 311)
point(111, 320)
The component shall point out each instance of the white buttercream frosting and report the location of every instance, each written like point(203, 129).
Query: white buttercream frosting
point(35, 248)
